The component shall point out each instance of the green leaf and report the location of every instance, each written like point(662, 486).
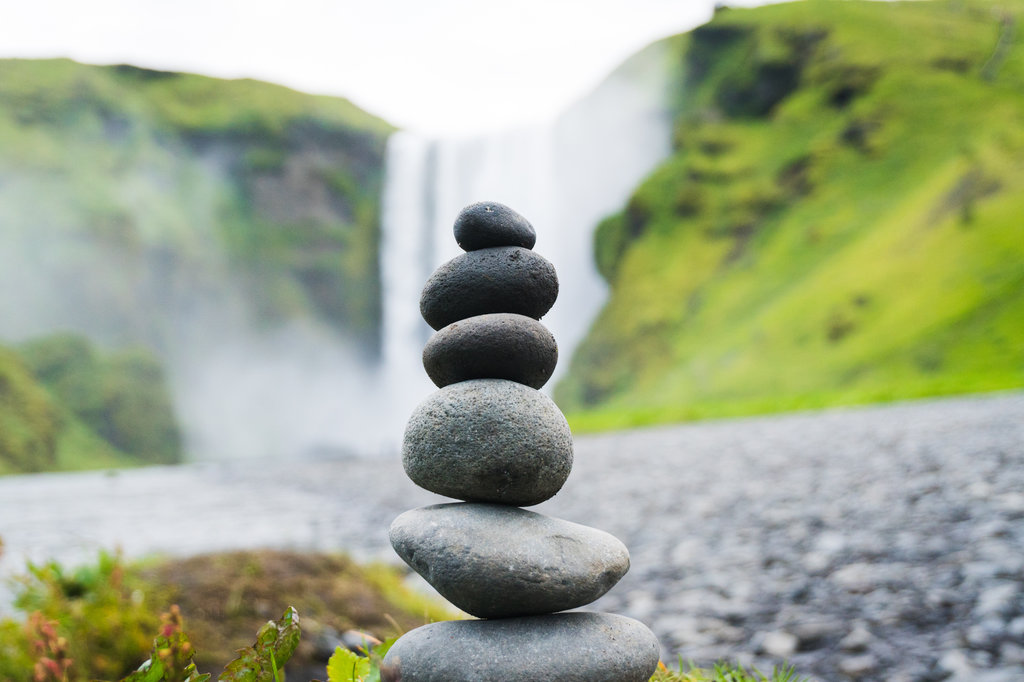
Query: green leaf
point(345, 666)
point(150, 671)
point(381, 650)
point(275, 644)
point(377, 654)
point(194, 676)
point(288, 634)
point(245, 668)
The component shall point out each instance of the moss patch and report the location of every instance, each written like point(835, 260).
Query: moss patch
point(836, 225)
point(226, 597)
point(64, 405)
point(29, 419)
point(174, 178)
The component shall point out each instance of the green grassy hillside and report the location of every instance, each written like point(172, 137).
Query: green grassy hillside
point(842, 220)
point(174, 213)
point(128, 191)
point(29, 419)
point(65, 405)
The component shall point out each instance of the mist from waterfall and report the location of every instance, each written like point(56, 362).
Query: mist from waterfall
point(247, 387)
point(564, 177)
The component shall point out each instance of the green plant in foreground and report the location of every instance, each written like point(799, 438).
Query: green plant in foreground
point(108, 610)
point(264, 660)
point(52, 650)
point(723, 672)
point(99, 609)
point(276, 641)
point(92, 623)
point(348, 666)
point(171, 660)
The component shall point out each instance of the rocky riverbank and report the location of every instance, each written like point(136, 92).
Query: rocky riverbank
point(879, 543)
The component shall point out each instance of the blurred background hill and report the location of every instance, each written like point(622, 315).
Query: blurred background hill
point(839, 222)
point(796, 206)
point(188, 216)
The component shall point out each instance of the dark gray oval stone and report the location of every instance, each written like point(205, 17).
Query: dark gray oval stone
point(504, 279)
point(567, 647)
point(492, 346)
point(496, 561)
point(488, 440)
point(487, 223)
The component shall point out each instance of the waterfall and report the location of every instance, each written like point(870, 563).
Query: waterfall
point(246, 388)
point(564, 177)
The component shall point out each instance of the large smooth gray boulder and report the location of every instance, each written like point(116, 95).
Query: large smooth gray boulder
point(486, 224)
point(488, 440)
point(562, 647)
point(493, 346)
point(505, 279)
point(495, 561)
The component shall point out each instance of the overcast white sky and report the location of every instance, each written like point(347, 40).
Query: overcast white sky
point(438, 66)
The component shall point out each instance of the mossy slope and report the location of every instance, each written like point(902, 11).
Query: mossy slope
point(65, 405)
point(135, 193)
point(108, 612)
point(29, 419)
point(840, 221)
point(227, 596)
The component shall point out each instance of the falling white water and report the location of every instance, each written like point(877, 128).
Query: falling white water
point(244, 389)
point(405, 247)
point(564, 177)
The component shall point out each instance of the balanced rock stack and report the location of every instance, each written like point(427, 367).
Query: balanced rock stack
point(490, 438)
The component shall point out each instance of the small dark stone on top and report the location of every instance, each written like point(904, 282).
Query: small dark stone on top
point(487, 224)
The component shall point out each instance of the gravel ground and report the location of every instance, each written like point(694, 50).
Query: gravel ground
point(882, 543)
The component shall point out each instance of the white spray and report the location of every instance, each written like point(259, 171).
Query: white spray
point(564, 177)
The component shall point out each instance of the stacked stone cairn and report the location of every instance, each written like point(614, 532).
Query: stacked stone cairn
point(489, 437)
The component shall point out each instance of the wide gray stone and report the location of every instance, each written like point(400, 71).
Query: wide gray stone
point(496, 561)
point(504, 279)
point(493, 346)
point(567, 647)
point(487, 224)
point(488, 440)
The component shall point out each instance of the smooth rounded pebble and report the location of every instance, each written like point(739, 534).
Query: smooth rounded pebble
point(493, 346)
point(567, 647)
point(504, 279)
point(496, 561)
point(487, 223)
point(488, 440)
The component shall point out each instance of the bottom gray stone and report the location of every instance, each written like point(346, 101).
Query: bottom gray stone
point(569, 647)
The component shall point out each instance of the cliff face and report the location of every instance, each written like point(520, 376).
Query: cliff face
point(137, 201)
point(838, 223)
point(230, 227)
point(303, 225)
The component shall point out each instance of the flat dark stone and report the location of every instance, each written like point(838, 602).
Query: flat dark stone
point(567, 647)
point(497, 561)
point(492, 346)
point(488, 440)
point(487, 224)
point(505, 279)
